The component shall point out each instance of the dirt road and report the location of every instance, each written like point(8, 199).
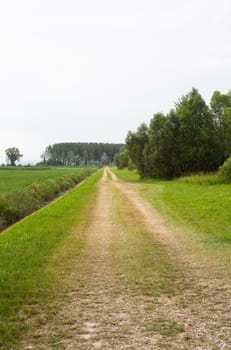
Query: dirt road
point(136, 285)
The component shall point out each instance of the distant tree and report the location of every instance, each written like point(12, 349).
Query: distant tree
point(86, 153)
point(85, 156)
point(105, 159)
point(13, 154)
point(76, 160)
point(70, 158)
point(122, 159)
point(45, 155)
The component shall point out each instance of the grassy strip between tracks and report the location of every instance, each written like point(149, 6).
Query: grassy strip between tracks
point(35, 253)
point(197, 201)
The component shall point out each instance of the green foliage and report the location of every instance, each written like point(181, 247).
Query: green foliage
point(221, 110)
point(76, 153)
point(122, 159)
point(34, 254)
point(22, 199)
point(197, 134)
point(136, 144)
point(163, 151)
point(13, 154)
point(224, 172)
point(186, 140)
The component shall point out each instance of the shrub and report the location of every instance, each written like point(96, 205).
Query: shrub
point(224, 172)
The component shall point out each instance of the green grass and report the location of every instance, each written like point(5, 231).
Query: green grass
point(144, 264)
point(24, 191)
point(131, 176)
point(201, 179)
point(199, 201)
point(34, 255)
point(20, 178)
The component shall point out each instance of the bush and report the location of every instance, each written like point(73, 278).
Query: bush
point(224, 172)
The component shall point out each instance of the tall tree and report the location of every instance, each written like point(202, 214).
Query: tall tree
point(197, 134)
point(163, 152)
point(221, 110)
point(13, 154)
point(183, 141)
point(136, 143)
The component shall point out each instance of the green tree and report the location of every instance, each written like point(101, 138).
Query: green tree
point(221, 110)
point(90, 153)
point(76, 160)
point(70, 158)
point(136, 143)
point(45, 155)
point(13, 154)
point(163, 152)
point(85, 156)
point(197, 133)
point(122, 159)
point(105, 159)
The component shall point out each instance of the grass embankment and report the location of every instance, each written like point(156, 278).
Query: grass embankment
point(23, 191)
point(199, 201)
point(34, 254)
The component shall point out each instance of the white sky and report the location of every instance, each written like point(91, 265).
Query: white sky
point(87, 70)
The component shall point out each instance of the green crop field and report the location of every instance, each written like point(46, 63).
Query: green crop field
point(24, 190)
point(19, 177)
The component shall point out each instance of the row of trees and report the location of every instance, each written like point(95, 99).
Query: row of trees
point(192, 137)
point(74, 154)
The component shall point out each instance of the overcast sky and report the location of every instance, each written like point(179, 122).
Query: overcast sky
point(87, 70)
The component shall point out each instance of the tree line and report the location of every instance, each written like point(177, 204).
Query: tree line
point(80, 154)
point(192, 137)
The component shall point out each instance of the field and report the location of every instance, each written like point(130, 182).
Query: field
point(120, 264)
point(201, 202)
point(20, 178)
point(24, 190)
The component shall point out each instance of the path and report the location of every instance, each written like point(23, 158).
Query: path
point(135, 286)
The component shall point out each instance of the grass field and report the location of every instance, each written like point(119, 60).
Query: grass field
point(199, 201)
point(19, 177)
point(33, 254)
point(24, 190)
